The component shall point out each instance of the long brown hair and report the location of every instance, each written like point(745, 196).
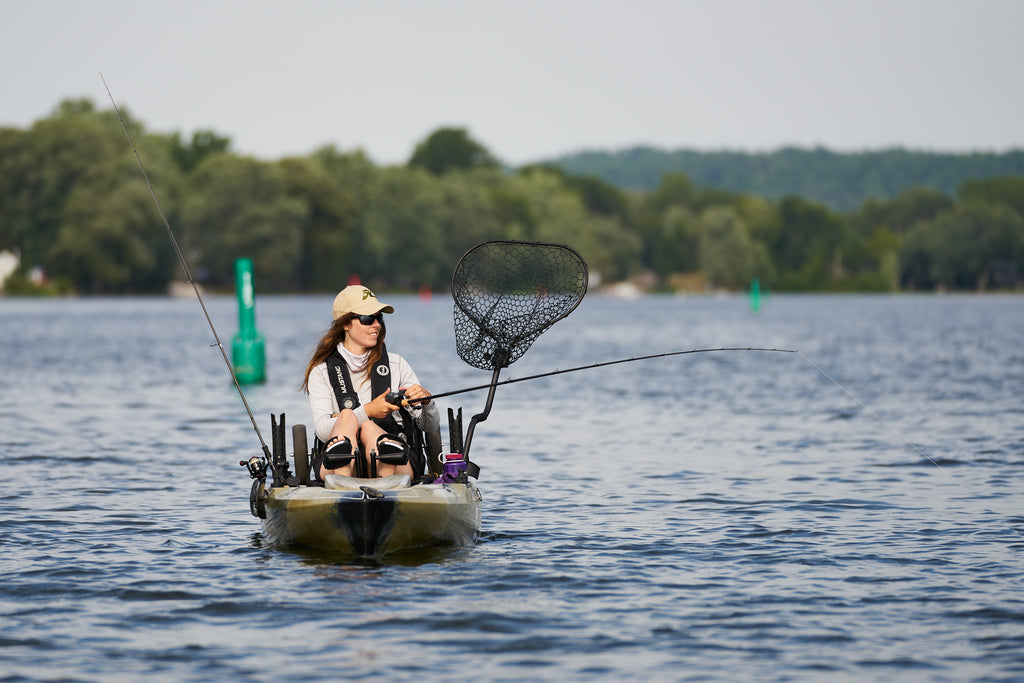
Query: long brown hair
point(335, 335)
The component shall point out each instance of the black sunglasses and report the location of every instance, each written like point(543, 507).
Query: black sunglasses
point(368, 319)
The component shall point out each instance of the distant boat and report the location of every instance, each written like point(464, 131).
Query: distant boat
point(623, 290)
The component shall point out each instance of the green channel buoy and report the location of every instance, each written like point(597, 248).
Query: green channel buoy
point(755, 295)
point(247, 346)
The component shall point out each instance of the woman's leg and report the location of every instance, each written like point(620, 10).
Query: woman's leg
point(346, 425)
point(368, 435)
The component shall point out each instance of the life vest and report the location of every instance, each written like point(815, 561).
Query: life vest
point(380, 382)
point(345, 390)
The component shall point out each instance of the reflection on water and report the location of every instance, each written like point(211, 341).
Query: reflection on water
point(718, 516)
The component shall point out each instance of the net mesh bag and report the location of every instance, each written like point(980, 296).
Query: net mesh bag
point(507, 293)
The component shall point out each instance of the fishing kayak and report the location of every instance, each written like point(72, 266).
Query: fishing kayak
point(362, 517)
point(371, 517)
point(506, 294)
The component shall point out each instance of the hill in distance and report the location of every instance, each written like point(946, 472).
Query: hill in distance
point(839, 180)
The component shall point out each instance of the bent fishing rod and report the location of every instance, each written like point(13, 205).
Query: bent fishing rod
point(188, 273)
point(598, 365)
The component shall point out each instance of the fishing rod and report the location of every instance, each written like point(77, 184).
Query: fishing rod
point(188, 275)
point(599, 365)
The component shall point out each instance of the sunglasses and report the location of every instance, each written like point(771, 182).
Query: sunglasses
point(369, 319)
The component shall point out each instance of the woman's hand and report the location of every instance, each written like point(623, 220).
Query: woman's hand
point(378, 407)
point(414, 392)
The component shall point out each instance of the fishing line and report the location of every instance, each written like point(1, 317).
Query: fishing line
point(885, 424)
point(814, 365)
point(184, 266)
point(600, 365)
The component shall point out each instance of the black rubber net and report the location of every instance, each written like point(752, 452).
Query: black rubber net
point(507, 293)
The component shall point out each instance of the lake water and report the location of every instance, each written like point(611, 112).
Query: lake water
point(715, 517)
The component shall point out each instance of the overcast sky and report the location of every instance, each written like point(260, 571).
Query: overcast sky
point(531, 79)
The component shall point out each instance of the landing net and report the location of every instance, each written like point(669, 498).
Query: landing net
point(508, 293)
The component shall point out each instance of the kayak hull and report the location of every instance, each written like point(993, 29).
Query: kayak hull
point(372, 517)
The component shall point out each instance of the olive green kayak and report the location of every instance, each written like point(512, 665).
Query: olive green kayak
point(371, 517)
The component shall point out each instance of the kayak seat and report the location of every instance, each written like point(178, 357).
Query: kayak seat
point(338, 482)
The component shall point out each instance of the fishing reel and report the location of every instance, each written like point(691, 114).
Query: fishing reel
point(395, 398)
point(257, 467)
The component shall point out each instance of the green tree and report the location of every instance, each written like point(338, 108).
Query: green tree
point(761, 218)
point(673, 243)
point(1008, 191)
point(240, 207)
point(467, 215)
point(901, 213)
point(559, 215)
point(203, 144)
point(415, 226)
point(448, 149)
point(877, 229)
point(972, 246)
point(16, 166)
point(665, 224)
point(111, 238)
point(401, 232)
point(108, 247)
point(72, 201)
point(39, 169)
point(806, 252)
point(676, 189)
point(729, 257)
point(328, 230)
point(598, 196)
point(358, 178)
point(456, 213)
point(841, 181)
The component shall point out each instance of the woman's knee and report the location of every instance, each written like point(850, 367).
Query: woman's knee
point(368, 433)
point(346, 419)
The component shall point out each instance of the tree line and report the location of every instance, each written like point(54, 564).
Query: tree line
point(73, 203)
point(841, 181)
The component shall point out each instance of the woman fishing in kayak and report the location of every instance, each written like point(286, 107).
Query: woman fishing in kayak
point(348, 378)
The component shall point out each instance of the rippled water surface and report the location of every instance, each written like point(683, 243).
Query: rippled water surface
point(716, 516)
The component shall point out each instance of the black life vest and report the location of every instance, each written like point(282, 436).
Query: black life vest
point(345, 390)
point(380, 382)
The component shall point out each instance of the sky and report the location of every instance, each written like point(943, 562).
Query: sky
point(530, 79)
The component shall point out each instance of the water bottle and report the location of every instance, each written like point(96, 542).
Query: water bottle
point(454, 469)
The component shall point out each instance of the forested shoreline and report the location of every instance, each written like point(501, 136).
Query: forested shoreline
point(74, 207)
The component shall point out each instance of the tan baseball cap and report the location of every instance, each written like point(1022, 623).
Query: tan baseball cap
point(359, 300)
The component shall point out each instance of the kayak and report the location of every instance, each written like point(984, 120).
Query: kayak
point(506, 294)
point(371, 517)
point(360, 517)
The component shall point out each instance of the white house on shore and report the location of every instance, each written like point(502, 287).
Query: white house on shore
point(8, 264)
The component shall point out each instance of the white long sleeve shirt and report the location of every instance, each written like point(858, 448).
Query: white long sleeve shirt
point(323, 403)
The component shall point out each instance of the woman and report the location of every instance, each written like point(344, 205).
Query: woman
point(347, 380)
